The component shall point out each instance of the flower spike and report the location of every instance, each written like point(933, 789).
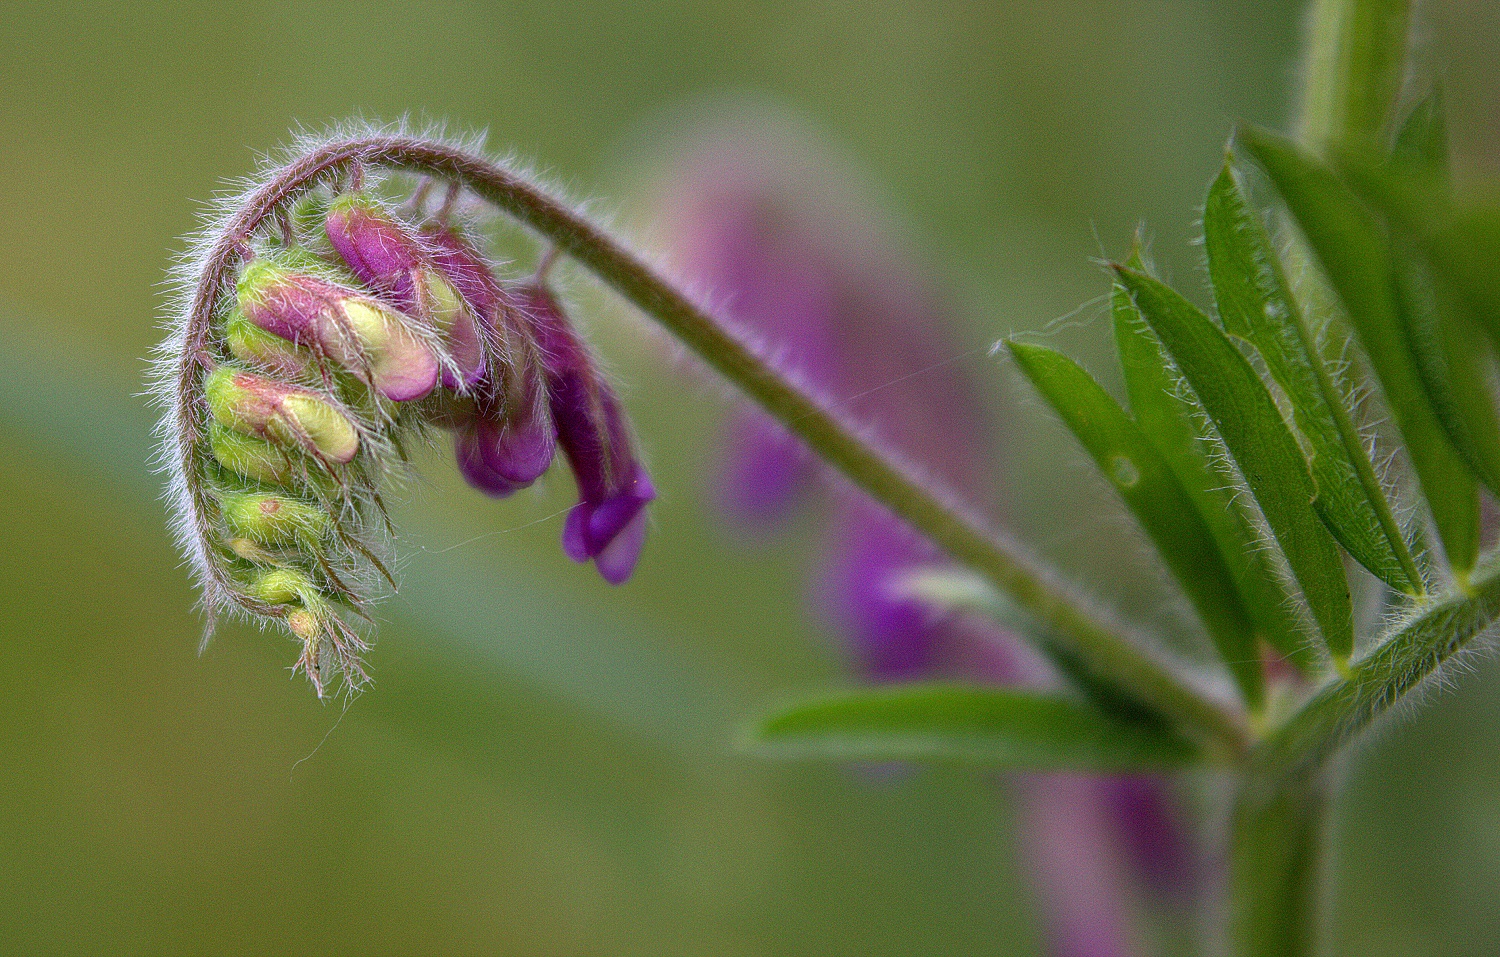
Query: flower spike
point(324, 333)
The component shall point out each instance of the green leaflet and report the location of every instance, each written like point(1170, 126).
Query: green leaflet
point(1445, 338)
point(994, 726)
point(959, 590)
point(1422, 142)
point(1452, 358)
point(1256, 305)
point(1260, 443)
point(1408, 654)
point(1157, 499)
point(1170, 421)
point(1357, 259)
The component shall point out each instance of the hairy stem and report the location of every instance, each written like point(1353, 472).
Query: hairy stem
point(1276, 842)
point(1352, 71)
point(1112, 657)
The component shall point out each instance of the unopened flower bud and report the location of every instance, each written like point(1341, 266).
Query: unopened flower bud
point(271, 518)
point(306, 625)
point(500, 455)
point(284, 586)
point(251, 552)
point(499, 451)
point(249, 456)
point(384, 253)
point(256, 347)
point(287, 415)
point(358, 332)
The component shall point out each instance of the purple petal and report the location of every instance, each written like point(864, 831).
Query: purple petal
point(574, 540)
point(611, 516)
point(475, 469)
point(616, 562)
point(520, 450)
point(377, 248)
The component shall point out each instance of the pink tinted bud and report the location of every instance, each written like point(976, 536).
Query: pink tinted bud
point(385, 254)
point(471, 277)
point(359, 333)
point(378, 249)
point(285, 414)
point(518, 445)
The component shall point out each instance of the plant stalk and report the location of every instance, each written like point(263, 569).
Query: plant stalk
point(1276, 848)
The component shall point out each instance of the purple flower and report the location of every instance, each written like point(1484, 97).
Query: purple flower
point(507, 439)
point(807, 272)
point(1154, 836)
point(608, 525)
point(892, 635)
point(809, 277)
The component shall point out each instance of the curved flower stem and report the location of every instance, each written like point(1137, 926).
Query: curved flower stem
point(1112, 657)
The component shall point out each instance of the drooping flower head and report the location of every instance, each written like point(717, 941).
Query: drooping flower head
point(332, 320)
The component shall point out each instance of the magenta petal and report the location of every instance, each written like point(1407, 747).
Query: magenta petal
point(574, 544)
point(618, 510)
point(616, 562)
point(468, 354)
point(519, 451)
point(476, 471)
point(376, 248)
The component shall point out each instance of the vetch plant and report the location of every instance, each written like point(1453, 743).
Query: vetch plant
point(338, 311)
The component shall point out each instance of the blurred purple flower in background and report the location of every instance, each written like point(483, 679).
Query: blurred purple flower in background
point(776, 235)
point(796, 263)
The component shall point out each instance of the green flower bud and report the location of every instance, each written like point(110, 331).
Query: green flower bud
point(251, 552)
point(289, 416)
point(306, 625)
point(255, 346)
point(249, 456)
point(285, 586)
point(270, 518)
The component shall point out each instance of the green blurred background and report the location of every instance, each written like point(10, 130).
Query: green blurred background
point(546, 765)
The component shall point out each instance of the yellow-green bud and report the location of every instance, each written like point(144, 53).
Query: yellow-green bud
point(255, 346)
point(249, 456)
point(289, 416)
point(251, 552)
point(284, 586)
point(270, 518)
